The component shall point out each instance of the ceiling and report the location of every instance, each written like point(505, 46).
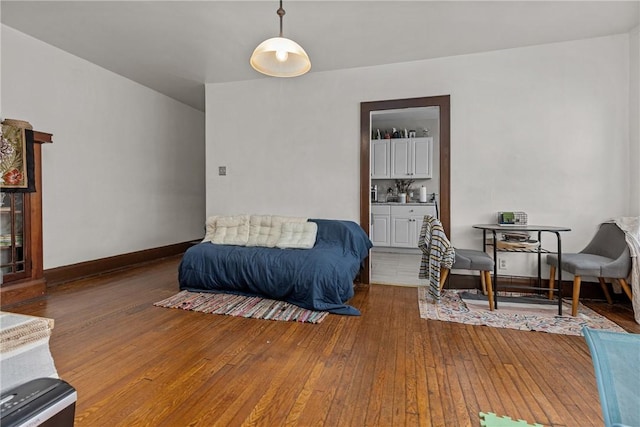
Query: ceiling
point(175, 47)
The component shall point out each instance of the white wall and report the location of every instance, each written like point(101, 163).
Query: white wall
point(634, 120)
point(125, 171)
point(543, 129)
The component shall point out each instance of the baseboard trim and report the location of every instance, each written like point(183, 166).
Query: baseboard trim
point(67, 273)
point(14, 293)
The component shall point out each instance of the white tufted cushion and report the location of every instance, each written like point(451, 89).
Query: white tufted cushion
point(298, 235)
point(231, 230)
point(210, 228)
point(276, 227)
point(259, 229)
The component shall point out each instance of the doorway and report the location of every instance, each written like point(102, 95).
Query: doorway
point(366, 108)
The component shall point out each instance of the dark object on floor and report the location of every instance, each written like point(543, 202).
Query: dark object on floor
point(48, 402)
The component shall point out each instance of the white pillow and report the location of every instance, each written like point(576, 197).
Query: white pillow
point(298, 235)
point(259, 229)
point(231, 230)
point(276, 228)
point(210, 228)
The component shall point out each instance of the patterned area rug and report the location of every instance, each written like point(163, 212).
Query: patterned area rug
point(241, 306)
point(452, 308)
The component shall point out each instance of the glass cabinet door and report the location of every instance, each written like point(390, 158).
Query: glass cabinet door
point(12, 238)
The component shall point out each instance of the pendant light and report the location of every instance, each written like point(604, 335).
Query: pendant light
point(280, 56)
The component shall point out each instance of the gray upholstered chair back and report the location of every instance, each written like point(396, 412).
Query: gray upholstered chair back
point(608, 242)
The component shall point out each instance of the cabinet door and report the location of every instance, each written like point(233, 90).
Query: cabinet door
point(400, 158)
point(401, 231)
point(380, 158)
point(380, 231)
point(406, 224)
point(12, 237)
point(421, 157)
point(418, 220)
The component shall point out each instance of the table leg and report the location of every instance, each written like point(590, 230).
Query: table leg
point(539, 259)
point(559, 287)
point(495, 270)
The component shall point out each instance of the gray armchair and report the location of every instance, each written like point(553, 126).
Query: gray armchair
point(605, 257)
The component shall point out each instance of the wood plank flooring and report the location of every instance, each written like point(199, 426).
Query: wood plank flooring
point(134, 364)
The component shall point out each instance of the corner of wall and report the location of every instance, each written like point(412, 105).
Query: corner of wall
point(634, 120)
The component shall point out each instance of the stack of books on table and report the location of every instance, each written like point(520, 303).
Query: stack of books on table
point(517, 240)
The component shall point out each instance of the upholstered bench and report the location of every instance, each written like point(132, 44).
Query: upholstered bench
point(469, 259)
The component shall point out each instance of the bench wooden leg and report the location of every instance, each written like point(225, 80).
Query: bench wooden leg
point(487, 276)
point(625, 287)
point(483, 281)
point(552, 280)
point(444, 273)
point(603, 285)
point(576, 295)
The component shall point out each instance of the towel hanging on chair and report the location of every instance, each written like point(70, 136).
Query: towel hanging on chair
point(437, 253)
point(631, 227)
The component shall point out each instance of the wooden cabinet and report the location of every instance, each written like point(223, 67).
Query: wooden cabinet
point(12, 236)
point(380, 234)
point(380, 158)
point(21, 260)
point(411, 158)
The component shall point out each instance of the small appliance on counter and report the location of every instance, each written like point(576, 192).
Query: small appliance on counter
point(374, 193)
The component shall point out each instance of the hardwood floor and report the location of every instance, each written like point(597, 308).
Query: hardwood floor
point(134, 364)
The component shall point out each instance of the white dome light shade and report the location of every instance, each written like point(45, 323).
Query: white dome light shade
point(280, 57)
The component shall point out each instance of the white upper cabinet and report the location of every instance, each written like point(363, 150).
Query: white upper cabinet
point(380, 158)
point(411, 157)
point(422, 151)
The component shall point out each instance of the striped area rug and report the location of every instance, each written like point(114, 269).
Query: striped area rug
point(241, 306)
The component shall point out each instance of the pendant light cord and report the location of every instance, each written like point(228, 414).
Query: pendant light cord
point(281, 13)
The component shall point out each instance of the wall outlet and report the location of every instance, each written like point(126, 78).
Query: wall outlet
point(502, 264)
point(222, 170)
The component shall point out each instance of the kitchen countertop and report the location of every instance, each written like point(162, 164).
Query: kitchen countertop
point(403, 204)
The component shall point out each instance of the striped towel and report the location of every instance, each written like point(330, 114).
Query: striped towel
point(631, 228)
point(437, 253)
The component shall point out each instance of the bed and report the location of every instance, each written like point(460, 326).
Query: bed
point(319, 277)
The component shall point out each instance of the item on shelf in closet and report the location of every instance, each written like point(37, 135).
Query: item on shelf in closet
point(423, 194)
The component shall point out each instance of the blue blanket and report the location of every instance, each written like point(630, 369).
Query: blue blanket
point(320, 278)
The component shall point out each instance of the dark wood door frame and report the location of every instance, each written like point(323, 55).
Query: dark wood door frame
point(445, 157)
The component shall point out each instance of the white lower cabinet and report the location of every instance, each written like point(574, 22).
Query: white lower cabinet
point(380, 225)
point(398, 226)
point(406, 223)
